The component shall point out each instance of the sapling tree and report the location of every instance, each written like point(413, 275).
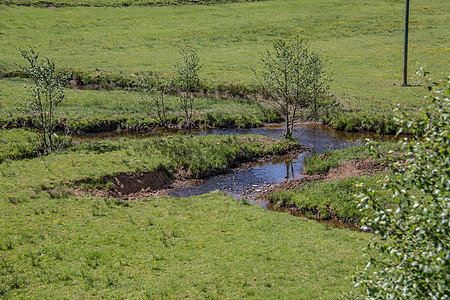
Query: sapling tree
point(292, 78)
point(412, 258)
point(44, 97)
point(187, 80)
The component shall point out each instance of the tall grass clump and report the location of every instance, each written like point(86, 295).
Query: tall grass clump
point(203, 155)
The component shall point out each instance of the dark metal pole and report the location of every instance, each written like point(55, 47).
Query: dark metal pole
point(405, 51)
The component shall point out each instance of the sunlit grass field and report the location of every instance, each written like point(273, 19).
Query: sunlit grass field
point(79, 246)
point(210, 246)
point(55, 244)
point(362, 41)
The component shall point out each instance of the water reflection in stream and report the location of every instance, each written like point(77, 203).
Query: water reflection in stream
point(251, 178)
point(254, 177)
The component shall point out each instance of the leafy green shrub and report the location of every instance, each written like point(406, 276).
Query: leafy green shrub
point(187, 80)
point(413, 260)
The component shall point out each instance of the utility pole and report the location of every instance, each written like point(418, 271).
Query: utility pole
point(405, 51)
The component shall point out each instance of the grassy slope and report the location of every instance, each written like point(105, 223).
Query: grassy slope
point(331, 199)
point(362, 40)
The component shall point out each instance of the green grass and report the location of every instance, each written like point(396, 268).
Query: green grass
point(331, 199)
point(92, 163)
point(96, 110)
point(361, 40)
point(337, 198)
point(201, 247)
point(18, 143)
point(322, 163)
point(55, 243)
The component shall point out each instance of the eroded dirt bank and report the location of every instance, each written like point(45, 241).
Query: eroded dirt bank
point(160, 181)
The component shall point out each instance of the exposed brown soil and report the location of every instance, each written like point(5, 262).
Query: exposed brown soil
point(355, 168)
point(126, 184)
point(133, 186)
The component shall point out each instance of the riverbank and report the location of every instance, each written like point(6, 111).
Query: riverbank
point(94, 165)
point(331, 182)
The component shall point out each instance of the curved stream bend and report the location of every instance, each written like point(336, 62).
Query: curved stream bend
point(252, 178)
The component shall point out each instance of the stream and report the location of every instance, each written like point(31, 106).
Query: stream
point(252, 178)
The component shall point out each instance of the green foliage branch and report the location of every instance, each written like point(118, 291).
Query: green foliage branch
point(44, 97)
point(412, 259)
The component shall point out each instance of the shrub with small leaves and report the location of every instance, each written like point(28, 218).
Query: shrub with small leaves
point(187, 80)
point(412, 258)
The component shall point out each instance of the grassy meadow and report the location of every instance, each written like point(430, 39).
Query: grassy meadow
point(57, 242)
point(67, 245)
point(362, 42)
point(100, 110)
point(211, 246)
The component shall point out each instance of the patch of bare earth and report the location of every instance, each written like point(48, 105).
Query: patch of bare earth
point(156, 183)
point(133, 186)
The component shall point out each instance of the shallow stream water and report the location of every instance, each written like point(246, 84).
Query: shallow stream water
point(252, 178)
